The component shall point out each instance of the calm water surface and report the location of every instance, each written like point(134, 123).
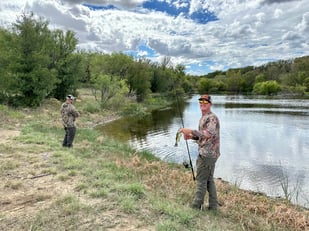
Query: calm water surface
point(264, 143)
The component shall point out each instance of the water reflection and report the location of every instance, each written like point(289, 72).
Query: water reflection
point(137, 128)
point(260, 140)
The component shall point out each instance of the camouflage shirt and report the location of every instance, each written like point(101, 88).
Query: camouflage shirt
point(68, 114)
point(208, 147)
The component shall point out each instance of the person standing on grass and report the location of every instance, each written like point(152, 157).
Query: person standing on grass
point(208, 140)
point(69, 115)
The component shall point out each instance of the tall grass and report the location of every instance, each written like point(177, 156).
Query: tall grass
point(291, 189)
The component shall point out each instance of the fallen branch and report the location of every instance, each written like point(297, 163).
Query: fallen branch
point(37, 176)
point(33, 177)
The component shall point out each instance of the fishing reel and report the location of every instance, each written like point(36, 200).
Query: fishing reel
point(186, 164)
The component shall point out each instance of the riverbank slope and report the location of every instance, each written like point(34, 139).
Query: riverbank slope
point(101, 184)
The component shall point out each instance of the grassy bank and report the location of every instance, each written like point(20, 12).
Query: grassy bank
point(101, 184)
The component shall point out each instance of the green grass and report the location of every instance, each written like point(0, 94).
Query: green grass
point(103, 184)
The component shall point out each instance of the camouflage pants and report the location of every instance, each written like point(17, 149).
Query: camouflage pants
point(205, 181)
point(69, 137)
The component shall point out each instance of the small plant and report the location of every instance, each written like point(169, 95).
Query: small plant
point(128, 203)
point(290, 192)
point(99, 193)
point(134, 109)
point(237, 182)
point(92, 107)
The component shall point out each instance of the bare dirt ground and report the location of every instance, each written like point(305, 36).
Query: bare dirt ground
point(26, 190)
point(23, 192)
point(6, 135)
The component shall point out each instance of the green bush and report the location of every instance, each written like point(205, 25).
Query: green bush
point(133, 109)
point(266, 88)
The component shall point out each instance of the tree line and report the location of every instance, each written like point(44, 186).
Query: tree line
point(286, 77)
point(38, 63)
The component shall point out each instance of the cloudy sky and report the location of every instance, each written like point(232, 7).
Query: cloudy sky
point(203, 35)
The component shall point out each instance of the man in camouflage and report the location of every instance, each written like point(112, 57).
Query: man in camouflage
point(208, 139)
point(69, 115)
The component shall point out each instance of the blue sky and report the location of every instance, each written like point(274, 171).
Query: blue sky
point(202, 35)
point(200, 16)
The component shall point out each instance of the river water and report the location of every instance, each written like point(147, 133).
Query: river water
point(264, 142)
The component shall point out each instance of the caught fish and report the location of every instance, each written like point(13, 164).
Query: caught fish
point(178, 136)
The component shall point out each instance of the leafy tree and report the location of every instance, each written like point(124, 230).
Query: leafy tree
point(187, 85)
point(248, 81)
point(86, 59)
point(33, 79)
point(6, 53)
point(40, 63)
point(139, 76)
point(234, 81)
point(260, 78)
point(272, 71)
point(220, 83)
point(180, 76)
point(214, 74)
point(116, 64)
point(266, 88)
point(205, 85)
point(104, 88)
point(161, 80)
point(168, 79)
point(306, 84)
point(67, 64)
point(218, 86)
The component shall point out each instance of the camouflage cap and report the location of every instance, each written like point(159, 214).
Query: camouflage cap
point(205, 97)
point(70, 97)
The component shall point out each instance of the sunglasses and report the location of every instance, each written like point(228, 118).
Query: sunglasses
point(203, 101)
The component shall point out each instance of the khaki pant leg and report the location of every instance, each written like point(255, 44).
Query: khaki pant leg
point(205, 182)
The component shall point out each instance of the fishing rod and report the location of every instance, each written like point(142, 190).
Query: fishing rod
point(188, 151)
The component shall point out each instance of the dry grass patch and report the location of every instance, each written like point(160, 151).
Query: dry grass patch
point(177, 184)
point(7, 135)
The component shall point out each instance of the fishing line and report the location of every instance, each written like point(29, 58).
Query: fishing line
point(188, 151)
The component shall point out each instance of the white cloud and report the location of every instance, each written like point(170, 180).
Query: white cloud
point(303, 26)
point(127, 4)
point(278, 13)
point(180, 4)
point(247, 32)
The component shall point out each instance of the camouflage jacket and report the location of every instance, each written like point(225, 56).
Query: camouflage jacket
point(68, 114)
point(208, 147)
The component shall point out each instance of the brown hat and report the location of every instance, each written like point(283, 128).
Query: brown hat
point(205, 97)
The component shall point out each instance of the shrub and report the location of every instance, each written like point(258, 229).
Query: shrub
point(266, 88)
